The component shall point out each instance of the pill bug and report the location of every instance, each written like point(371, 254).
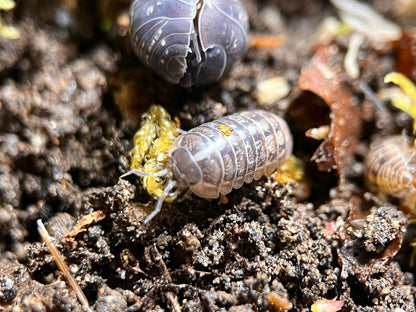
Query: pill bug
point(189, 42)
point(389, 167)
point(220, 155)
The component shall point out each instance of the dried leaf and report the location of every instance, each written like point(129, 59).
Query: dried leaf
point(82, 223)
point(322, 79)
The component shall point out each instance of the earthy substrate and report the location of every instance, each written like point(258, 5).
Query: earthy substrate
point(70, 100)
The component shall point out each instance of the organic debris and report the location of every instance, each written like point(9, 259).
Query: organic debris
point(372, 243)
point(84, 222)
point(60, 261)
point(7, 31)
point(323, 79)
point(366, 20)
point(326, 305)
point(151, 144)
point(406, 104)
point(265, 42)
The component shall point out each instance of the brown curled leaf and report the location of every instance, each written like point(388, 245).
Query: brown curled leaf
point(82, 223)
point(355, 261)
point(369, 243)
point(322, 79)
point(357, 211)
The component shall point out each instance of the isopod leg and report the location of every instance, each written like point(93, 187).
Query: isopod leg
point(159, 203)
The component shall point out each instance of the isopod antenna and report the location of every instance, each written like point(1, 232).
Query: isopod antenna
point(166, 191)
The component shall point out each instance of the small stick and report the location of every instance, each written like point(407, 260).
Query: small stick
point(60, 261)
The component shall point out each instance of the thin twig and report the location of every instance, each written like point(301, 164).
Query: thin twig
point(60, 261)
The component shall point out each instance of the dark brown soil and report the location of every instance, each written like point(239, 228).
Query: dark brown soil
point(71, 93)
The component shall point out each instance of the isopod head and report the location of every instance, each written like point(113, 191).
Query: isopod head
point(192, 42)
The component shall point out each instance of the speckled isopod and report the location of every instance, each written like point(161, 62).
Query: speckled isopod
point(218, 156)
point(189, 42)
point(390, 166)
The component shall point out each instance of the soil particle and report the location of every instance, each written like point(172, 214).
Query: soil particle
point(10, 55)
point(380, 227)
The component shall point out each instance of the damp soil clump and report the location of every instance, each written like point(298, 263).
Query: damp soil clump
point(71, 96)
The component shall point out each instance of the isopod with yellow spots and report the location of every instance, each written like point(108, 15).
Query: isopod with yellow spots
point(210, 162)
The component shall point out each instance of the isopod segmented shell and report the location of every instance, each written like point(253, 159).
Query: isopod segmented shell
point(189, 41)
point(390, 166)
point(213, 158)
point(211, 161)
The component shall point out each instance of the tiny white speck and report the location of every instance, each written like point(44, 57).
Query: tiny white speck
point(163, 42)
point(149, 48)
point(150, 10)
point(280, 138)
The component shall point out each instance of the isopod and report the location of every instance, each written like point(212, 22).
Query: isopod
point(389, 167)
point(220, 155)
point(189, 42)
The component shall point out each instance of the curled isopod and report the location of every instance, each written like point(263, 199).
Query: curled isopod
point(189, 42)
point(218, 156)
point(390, 167)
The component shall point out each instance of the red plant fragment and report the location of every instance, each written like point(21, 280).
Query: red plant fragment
point(326, 305)
point(405, 58)
point(322, 79)
point(331, 227)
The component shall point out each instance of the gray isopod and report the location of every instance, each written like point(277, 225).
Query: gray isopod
point(220, 155)
point(189, 41)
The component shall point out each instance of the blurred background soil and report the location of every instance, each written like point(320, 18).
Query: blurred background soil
point(71, 96)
